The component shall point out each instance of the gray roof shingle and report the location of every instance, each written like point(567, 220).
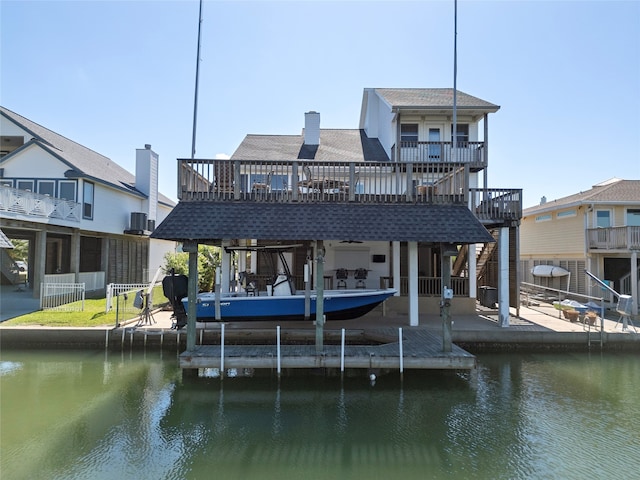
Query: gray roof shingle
point(613, 191)
point(335, 145)
point(83, 160)
point(432, 98)
point(213, 221)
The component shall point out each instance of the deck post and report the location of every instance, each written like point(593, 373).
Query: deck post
point(414, 315)
point(446, 251)
point(503, 277)
point(319, 297)
point(192, 248)
point(634, 282)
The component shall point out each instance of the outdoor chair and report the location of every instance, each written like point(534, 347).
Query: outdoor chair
point(360, 275)
point(341, 275)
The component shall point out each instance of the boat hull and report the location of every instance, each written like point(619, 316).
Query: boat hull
point(338, 305)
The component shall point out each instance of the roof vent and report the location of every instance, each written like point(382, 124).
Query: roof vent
point(543, 200)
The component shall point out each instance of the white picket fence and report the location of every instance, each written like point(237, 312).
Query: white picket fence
point(64, 297)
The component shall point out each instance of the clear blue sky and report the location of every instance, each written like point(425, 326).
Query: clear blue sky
point(115, 75)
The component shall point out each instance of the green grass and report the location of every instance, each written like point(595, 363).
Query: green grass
point(93, 315)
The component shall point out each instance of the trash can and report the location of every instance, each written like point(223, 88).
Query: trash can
point(488, 296)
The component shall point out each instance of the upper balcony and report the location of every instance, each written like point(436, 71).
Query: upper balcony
point(330, 182)
point(468, 153)
point(23, 202)
point(614, 238)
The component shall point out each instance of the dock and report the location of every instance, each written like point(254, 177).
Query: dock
point(379, 348)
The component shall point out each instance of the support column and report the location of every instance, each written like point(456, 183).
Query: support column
point(473, 271)
point(414, 315)
point(634, 281)
point(320, 297)
point(40, 259)
point(225, 267)
point(192, 249)
point(395, 246)
point(446, 252)
point(503, 277)
point(74, 261)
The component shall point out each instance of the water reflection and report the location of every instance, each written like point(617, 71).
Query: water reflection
point(90, 416)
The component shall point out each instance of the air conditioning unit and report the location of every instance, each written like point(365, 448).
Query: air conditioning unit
point(138, 221)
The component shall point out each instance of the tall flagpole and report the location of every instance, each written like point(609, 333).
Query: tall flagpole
point(454, 135)
point(195, 100)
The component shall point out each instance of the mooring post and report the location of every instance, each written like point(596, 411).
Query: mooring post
point(279, 369)
point(401, 350)
point(342, 352)
point(221, 350)
point(320, 298)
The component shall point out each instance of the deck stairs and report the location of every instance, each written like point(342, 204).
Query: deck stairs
point(483, 255)
point(8, 268)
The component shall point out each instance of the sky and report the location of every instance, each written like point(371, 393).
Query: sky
point(116, 75)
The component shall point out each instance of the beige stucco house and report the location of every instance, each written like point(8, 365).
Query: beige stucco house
point(596, 230)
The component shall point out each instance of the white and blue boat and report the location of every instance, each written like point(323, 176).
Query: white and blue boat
point(338, 305)
point(281, 302)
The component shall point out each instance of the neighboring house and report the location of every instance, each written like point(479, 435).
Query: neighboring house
point(597, 230)
point(86, 219)
point(397, 197)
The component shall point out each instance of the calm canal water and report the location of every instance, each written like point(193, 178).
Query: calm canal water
point(89, 415)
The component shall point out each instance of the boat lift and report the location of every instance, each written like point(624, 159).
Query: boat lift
point(625, 303)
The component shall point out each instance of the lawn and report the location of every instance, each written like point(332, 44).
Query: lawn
point(93, 315)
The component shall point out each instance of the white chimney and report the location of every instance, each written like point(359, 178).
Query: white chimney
point(147, 179)
point(543, 200)
point(312, 128)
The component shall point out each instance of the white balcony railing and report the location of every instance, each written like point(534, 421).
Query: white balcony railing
point(614, 238)
point(13, 200)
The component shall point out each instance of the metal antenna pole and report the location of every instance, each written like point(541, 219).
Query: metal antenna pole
point(454, 135)
point(195, 100)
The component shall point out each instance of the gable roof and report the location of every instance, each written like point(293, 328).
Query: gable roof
point(615, 191)
point(432, 98)
point(335, 144)
point(213, 221)
point(83, 161)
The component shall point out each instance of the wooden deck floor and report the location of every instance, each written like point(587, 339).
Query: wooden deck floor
point(421, 350)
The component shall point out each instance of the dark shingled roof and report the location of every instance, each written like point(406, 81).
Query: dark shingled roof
point(432, 98)
point(84, 161)
point(213, 221)
point(335, 144)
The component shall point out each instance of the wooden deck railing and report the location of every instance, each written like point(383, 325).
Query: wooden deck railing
point(443, 152)
point(496, 203)
point(311, 181)
point(614, 238)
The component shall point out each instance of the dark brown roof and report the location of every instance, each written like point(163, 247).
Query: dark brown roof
point(613, 191)
point(213, 221)
point(432, 98)
point(335, 145)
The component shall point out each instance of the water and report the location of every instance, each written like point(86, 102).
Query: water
point(88, 415)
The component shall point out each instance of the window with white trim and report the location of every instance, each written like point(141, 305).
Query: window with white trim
point(603, 218)
point(87, 200)
point(543, 218)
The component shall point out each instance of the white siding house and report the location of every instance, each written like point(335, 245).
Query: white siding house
point(80, 212)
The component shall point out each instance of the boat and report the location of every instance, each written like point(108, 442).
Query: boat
point(549, 271)
point(280, 301)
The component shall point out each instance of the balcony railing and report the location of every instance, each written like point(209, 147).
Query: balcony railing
point(312, 181)
point(614, 238)
point(33, 204)
point(442, 152)
point(496, 204)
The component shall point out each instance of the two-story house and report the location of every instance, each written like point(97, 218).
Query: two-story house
point(596, 230)
point(397, 197)
point(84, 216)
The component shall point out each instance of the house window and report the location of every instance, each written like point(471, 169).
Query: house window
point(543, 218)
point(46, 187)
point(462, 135)
point(87, 201)
point(409, 132)
point(603, 218)
point(25, 185)
point(67, 190)
point(633, 217)
point(566, 213)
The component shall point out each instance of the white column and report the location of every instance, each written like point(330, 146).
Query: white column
point(254, 259)
point(225, 267)
point(413, 284)
point(473, 279)
point(634, 281)
point(395, 246)
point(503, 276)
